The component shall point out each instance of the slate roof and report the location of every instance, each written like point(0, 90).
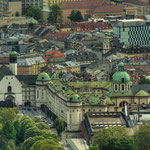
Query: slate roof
point(27, 79)
point(4, 71)
point(86, 56)
point(136, 88)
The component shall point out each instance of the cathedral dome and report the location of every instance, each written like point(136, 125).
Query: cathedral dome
point(121, 76)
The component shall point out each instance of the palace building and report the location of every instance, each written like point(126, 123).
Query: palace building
point(67, 101)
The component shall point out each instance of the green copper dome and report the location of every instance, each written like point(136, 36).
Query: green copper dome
point(121, 76)
point(13, 53)
point(43, 77)
point(75, 98)
point(120, 64)
point(106, 37)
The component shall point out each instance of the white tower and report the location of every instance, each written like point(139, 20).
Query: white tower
point(13, 62)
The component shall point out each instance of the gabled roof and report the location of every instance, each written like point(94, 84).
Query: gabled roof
point(144, 87)
point(4, 71)
point(142, 93)
point(53, 54)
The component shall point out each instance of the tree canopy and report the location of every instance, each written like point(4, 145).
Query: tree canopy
point(124, 143)
point(55, 14)
point(103, 136)
point(142, 137)
point(23, 133)
point(35, 12)
point(144, 81)
point(76, 16)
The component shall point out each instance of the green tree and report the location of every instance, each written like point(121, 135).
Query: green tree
point(46, 144)
point(9, 130)
point(3, 142)
point(37, 119)
point(31, 132)
point(144, 81)
point(26, 123)
point(59, 125)
point(76, 16)
point(94, 148)
point(7, 114)
point(42, 125)
point(30, 141)
point(55, 15)
point(142, 137)
point(103, 136)
point(35, 12)
point(17, 126)
point(11, 144)
point(120, 144)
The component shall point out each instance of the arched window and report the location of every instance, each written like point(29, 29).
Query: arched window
point(116, 87)
point(122, 87)
point(9, 89)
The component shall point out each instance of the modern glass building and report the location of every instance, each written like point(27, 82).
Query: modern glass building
point(133, 32)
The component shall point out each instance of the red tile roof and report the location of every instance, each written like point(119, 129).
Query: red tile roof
point(61, 36)
point(4, 60)
point(52, 54)
point(83, 4)
point(109, 8)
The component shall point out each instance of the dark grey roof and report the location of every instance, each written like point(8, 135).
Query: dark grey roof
point(136, 88)
point(4, 71)
point(27, 79)
point(85, 56)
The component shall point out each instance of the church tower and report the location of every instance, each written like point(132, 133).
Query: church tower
point(13, 62)
point(106, 44)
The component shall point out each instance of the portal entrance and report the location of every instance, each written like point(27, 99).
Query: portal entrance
point(10, 101)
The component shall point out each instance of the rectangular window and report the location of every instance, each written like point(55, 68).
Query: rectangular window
point(37, 94)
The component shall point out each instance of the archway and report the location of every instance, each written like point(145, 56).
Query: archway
point(122, 104)
point(10, 101)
